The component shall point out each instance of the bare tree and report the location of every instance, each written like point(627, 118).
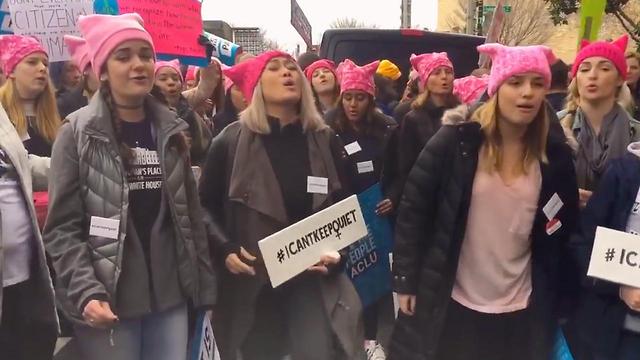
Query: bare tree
point(269, 43)
point(528, 22)
point(350, 23)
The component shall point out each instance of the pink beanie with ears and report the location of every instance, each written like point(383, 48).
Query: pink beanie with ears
point(320, 64)
point(469, 89)
point(14, 48)
point(103, 34)
point(612, 51)
point(425, 64)
point(173, 64)
point(246, 75)
point(354, 77)
point(79, 51)
point(508, 61)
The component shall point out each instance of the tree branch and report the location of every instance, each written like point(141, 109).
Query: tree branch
point(632, 31)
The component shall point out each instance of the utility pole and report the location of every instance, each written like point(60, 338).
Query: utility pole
point(405, 14)
point(471, 12)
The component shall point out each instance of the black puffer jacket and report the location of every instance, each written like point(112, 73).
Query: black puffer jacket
point(417, 127)
point(431, 226)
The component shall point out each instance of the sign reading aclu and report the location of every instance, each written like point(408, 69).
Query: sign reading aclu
point(293, 250)
point(615, 257)
point(49, 21)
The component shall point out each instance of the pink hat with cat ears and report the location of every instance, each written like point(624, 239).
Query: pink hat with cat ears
point(354, 77)
point(507, 61)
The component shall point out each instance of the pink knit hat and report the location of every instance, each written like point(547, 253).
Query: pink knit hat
point(320, 64)
point(469, 89)
point(191, 73)
point(79, 51)
point(354, 77)
point(14, 48)
point(425, 64)
point(508, 61)
point(104, 33)
point(247, 74)
point(173, 64)
point(612, 51)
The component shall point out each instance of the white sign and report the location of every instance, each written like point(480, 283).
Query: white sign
point(103, 227)
point(293, 250)
point(616, 257)
point(49, 21)
point(207, 349)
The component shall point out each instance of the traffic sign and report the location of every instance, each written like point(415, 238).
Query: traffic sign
point(492, 8)
point(300, 23)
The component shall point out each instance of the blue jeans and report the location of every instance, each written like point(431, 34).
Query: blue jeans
point(157, 336)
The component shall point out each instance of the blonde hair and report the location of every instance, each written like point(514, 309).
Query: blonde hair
point(47, 115)
point(535, 138)
point(255, 115)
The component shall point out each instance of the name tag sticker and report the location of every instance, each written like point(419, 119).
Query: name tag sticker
point(352, 148)
point(365, 167)
point(553, 206)
point(317, 185)
point(104, 227)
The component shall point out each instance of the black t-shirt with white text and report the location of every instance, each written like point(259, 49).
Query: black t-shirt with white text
point(144, 176)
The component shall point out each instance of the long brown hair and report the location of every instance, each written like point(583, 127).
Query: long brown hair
point(47, 115)
point(369, 125)
point(423, 99)
point(535, 138)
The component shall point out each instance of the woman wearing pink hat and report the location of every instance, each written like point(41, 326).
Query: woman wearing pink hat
point(367, 134)
point(324, 83)
point(435, 72)
point(78, 98)
point(125, 230)
point(486, 213)
point(255, 183)
point(597, 128)
point(28, 95)
point(168, 81)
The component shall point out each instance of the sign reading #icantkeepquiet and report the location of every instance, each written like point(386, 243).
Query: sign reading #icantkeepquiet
point(293, 250)
point(616, 257)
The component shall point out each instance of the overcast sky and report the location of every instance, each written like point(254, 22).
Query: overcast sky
point(274, 15)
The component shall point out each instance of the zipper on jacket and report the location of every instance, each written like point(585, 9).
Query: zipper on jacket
point(111, 342)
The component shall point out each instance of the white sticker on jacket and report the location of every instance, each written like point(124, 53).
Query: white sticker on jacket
point(553, 206)
point(317, 185)
point(352, 148)
point(104, 227)
point(365, 167)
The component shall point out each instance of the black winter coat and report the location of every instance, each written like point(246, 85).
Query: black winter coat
point(416, 129)
point(383, 159)
point(597, 327)
point(431, 227)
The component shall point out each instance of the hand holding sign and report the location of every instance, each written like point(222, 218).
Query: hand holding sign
point(239, 266)
point(322, 267)
point(631, 297)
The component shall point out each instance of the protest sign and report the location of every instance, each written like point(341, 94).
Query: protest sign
point(5, 18)
point(175, 27)
point(591, 14)
point(49, 21)
point(616, 257)
point(493, 34)
point(368, 259)
point(224, 50)
point(293, 250)
point(204, 343)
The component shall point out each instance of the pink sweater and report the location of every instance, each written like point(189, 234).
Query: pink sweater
point(494, 270)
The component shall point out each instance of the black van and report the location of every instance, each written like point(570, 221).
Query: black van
point(366, 45)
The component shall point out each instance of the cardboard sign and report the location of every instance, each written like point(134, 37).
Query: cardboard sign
point(224, 50)
point(5, 18)
point(616, 257)
point(368, 264)
point(49, 21)
point(204, 343)
point(293, 250)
